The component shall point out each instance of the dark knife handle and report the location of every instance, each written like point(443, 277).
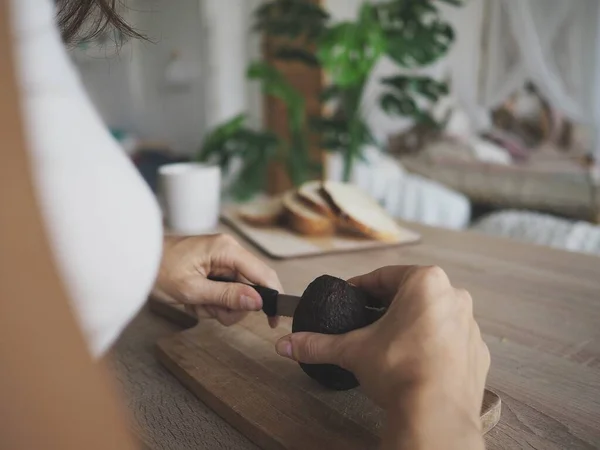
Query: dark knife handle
point(268, 295)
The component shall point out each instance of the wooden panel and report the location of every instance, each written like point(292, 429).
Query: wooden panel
point(237, 373)
point(309, 82)
point(281, 243)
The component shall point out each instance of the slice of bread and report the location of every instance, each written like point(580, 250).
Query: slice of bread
point(310, 193)
point(360, 212)
point(303, 219)
point(262, 213)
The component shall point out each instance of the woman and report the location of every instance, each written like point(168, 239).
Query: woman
point(105, 230)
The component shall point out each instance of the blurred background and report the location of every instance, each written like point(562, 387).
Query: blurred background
point(480, 114)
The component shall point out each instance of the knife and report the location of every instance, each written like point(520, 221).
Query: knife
point(274, 303)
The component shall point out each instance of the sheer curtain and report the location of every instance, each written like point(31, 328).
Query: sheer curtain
point(554, 43)
point(557, 41)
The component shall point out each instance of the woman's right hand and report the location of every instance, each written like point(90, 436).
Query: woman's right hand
point(427, 346)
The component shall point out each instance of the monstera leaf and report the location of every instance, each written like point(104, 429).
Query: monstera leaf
point(399, 104)
point(222, 143)
point(345, 135)
point(333, 132)
point(405, 94)
point(349, 51)
point(291, 19)
point(416, 33)
point(256, 149)
point(429, 88)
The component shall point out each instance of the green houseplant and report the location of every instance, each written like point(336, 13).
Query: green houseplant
point(348, 53)
point(256, 149)
point(417, 36)
point(411, 32)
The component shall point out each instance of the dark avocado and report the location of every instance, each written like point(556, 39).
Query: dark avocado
point(330, 305)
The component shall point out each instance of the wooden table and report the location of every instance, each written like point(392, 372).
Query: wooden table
point(539, 310)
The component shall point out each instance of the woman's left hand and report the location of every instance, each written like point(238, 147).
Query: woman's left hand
point(187, 263)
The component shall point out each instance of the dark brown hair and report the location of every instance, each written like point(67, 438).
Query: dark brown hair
point(86, 19)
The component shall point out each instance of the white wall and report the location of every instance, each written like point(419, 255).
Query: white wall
point(212, 36)
point(161, 112)
point(254, 52)
point(231, 45)
point(130, 90)
point(102, 76)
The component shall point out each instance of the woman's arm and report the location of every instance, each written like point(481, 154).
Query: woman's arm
point(53, 397)
point(102, 222)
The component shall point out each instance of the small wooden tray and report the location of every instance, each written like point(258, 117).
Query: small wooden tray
point(281, 243)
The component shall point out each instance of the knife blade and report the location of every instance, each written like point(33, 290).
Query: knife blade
point(284, 305)
point(274, 303)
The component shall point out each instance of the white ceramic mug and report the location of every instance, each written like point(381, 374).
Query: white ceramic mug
point(190, 194)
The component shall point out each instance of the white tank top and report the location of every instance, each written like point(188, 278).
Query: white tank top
point(102, 220)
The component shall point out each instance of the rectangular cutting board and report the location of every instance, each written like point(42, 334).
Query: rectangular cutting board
point(236, 372)
point(281, 243)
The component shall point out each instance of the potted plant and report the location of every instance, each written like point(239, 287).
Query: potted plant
point(235, 142)
point(411, 32)
point(257, 150)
